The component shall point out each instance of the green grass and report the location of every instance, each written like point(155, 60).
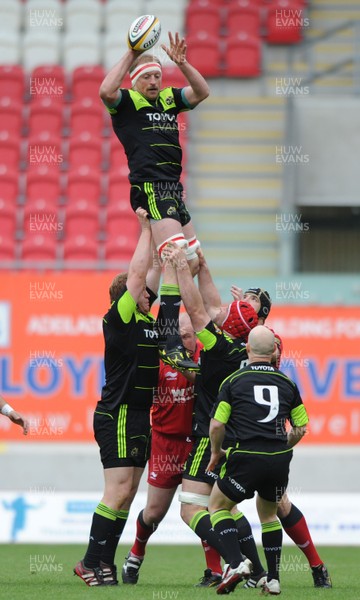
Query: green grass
point(169, 572)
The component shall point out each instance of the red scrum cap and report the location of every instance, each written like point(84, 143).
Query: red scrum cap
point(240, 319)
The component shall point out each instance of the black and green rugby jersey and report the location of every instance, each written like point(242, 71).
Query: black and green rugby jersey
point(220, 357)
point(256, 402)
point(149, 133)
point(131, 356)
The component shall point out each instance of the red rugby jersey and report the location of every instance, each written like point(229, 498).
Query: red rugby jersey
point(173, 404)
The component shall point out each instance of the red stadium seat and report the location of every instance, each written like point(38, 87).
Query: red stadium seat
point(8, 218)
point(172, 76)
point(45, 149)
point(203, 15)
point(45, 116)
point(243, 56)
point(284, 21)
point(120, 221)
point(116, 157)
point(81, 218)
point(204, 52)
point(39, 246)
point(84, 183)
point(86, 82)
point(118, 188)
point(7, 247)
point(80, 248)
point(9, 187)
point(243, 15)
point(86, 114)
point(12, 78)
point(48, 81)
point(40, 217)
point(43, 183)
point(11, 117)
point(10, 151)
point(85, 150)
point(120, 248)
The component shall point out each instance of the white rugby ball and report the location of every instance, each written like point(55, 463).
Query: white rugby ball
point(144, 32)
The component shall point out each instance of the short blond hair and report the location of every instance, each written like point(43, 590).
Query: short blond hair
point(117, 286)
point(142, 59)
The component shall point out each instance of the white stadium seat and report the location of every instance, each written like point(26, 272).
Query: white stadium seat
point(80, 49)
point(43, 15)
point(119, 14)
point(114, 46)
point(83, 16)
point(41, 47)
point(11, 12)
point(10, 49)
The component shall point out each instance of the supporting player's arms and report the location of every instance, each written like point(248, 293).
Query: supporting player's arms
point(217, 434)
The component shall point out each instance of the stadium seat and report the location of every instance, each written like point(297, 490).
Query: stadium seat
point(80, 248)
point(41, 205)
point(48, 81)
point(120, 221)
point(283, 22)
point(85, 82)
point(12, 77)
point(10, 150)
point(86, 114)
point(243, 15)
point(41, 217)
point(10, 49)
point(81, 218)
point(43, 15)
point(243, 56)
point(41, 47)
point(116, 158)
point(83, 15)
point(11, 15)
point(80, 49)
point(203, 15)
point(39, 246)
point(83, 183)
point(9, 183)
point(43, 183)
point(7, 247)
point(118, 188)
point(8, 219)
point(45, 149)
point(120, 248)
point(172, 76)
point(11, 117)
point(204, 53)
point(85, 150)
point(45, 116)
point(118, 15)
point(114, 46)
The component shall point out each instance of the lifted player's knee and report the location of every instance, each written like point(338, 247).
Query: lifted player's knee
point(193, 245)
point(177, 238)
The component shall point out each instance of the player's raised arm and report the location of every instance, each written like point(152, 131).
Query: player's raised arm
point(198, 89)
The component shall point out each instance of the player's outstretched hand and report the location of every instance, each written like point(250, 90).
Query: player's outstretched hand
point(18, 419)
point(176, 49)
point(236, 292)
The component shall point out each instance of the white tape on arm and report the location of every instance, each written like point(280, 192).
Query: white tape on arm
point(6, 410)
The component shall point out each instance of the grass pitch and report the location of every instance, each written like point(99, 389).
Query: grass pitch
point(41, 572)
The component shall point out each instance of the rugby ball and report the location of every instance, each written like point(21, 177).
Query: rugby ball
point(144, 32)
